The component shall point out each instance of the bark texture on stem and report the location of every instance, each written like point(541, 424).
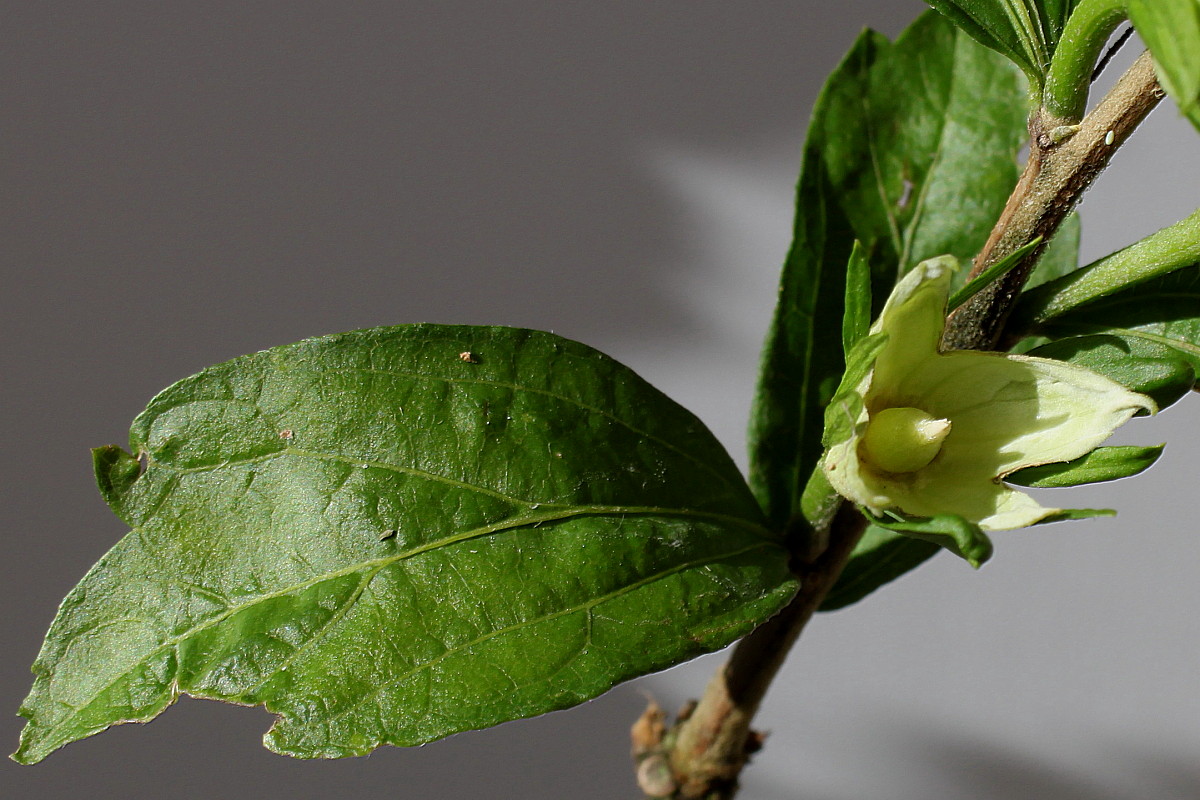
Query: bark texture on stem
point(1063, 162)
point(712, 745)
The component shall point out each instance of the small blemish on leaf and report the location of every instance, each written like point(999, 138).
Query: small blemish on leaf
point(388, 535)
point(286, 434)
point(468, 357)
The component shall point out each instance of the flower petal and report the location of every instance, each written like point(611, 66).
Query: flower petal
point(1019, 411)
point(1006, 413)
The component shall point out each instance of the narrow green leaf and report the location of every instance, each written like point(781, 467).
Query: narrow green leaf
point(948, 531)
point(846, 405)
point(392, 535)
point(1161, 253)
point(880, 557)
point(1102, 464)
point(990, 275)
point(1146, 337)
point(1025, 31)
point(856, 319)
point(911, 151)
point(1141, 364)
point(1171, 29)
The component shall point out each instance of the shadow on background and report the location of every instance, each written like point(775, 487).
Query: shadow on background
point(916, 759)
point(185, 183)
point(188, 184)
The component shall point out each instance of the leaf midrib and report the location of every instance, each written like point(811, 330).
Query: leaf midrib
point(380, 563)
point(586, 606)
point(1166, 341)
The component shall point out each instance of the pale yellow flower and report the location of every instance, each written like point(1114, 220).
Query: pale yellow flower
point(937, 432)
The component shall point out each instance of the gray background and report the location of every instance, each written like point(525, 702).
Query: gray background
point(187, 182)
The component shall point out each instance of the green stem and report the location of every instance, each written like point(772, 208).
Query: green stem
point(1070, 75)
point(1169, 249)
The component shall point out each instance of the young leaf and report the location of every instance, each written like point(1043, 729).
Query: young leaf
point(910, 151)
point(1171, 29)
point(392, 535)
point(1025, 31)
point(843, 410)
point(990, 275)
point(856, 319)
point(1102, 464)
point(1162, 252)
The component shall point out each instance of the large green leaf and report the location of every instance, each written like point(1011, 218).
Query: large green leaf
point(911, 151)
point(395, 534)
point(1025, 31)
point(1146, 337)
point(1171, 29)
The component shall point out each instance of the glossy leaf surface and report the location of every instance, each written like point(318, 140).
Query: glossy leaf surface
point(911, 151)
point(1146, 337)
point(395, 534)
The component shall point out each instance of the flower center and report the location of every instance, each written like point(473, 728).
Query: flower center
point(903, 439)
